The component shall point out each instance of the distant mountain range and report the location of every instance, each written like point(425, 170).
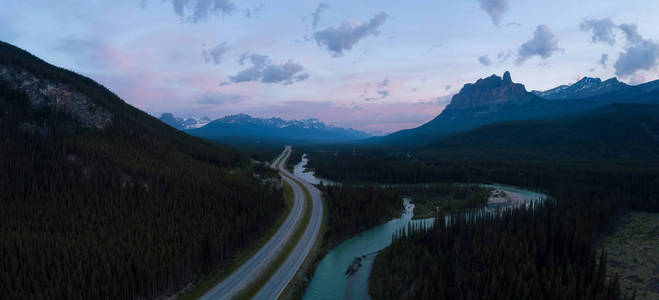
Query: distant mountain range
point(497, 99)
point(586, 87)
point(184, 123)
point(243, 125)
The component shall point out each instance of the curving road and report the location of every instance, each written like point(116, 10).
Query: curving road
point(278, 282)
point(256, 264)
point(250, 270)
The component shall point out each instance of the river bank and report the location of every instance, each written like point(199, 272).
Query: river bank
point(300, 170)
point(330, 280)
point(343, 272)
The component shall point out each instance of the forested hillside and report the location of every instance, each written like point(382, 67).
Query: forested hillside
point(101, 201)
point(494, 99)
point(354, 209)
point(595, 166)
point(546, 252)
point(621, 133)
point(616, 147)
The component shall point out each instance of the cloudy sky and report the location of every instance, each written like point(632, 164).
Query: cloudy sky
point(374, 65)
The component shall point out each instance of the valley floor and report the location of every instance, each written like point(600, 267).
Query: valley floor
point(633, 254)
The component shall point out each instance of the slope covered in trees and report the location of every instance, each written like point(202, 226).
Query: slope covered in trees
point(620, 133)
point(117, 207)
point(495, 99)
point(546, 252)
point(353, 209)
point(595, 165)
point(616, 147)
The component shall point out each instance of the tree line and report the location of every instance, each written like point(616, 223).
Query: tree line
point(541, 252)
point(354, 208)
point(637, 185)
point(138, 210)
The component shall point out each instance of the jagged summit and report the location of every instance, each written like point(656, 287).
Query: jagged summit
point(244, 125)
point(488, 91)
point(184, 123)
point(506, 77)
point(585, 87)
point(497, 99)
point(276, 122)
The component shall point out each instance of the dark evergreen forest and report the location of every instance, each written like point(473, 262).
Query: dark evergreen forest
point(353, 209)
point(136, 210)
point(547, 252)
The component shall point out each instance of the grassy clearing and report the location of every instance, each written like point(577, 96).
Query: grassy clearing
point(257, 284)
point(633, 254)
point(207, 282)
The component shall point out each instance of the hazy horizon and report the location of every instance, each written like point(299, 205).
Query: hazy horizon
point(373, 65)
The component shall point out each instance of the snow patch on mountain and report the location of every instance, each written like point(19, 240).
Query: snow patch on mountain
point(585, 87)
point(184, 123)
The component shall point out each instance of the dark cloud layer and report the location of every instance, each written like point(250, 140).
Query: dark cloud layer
point(383, 93)
point(264, 71)
point(631, 33)
point(504, 55)
point(343, 38)
point(484, 60)
point(254, 11)
point(316, 14)
point(215, 54)
point(284, 73)
point(640, 54)
point(495, 8)
point(199, 10)
point(604, 59)
point(543, 44)
point(383, 83)
point(602, 30)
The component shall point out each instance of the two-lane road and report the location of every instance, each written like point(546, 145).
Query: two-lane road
point(256, 264)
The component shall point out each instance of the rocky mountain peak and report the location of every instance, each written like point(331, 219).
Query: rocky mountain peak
point(586, 80)
point(57, 96)
point(585, 87)
point(488, 91)
point(506, 78)
point(184, 123)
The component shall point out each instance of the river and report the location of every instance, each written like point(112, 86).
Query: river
point(300, 171)
point(330, 281)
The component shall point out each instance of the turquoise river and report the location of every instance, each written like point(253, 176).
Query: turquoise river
point(330, 281)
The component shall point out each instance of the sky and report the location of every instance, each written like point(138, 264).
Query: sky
point(374, 65)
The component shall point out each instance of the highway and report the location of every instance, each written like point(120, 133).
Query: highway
point(278, 282)
point(250, 270)
point(256, 264)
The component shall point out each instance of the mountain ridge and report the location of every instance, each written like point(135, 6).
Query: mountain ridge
point(244, 125)
point(583, 88)
point(618, 132)
point(82, 169)
point(183, 123)
point(488, 91)
point(469, 108)
point(497, 99)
